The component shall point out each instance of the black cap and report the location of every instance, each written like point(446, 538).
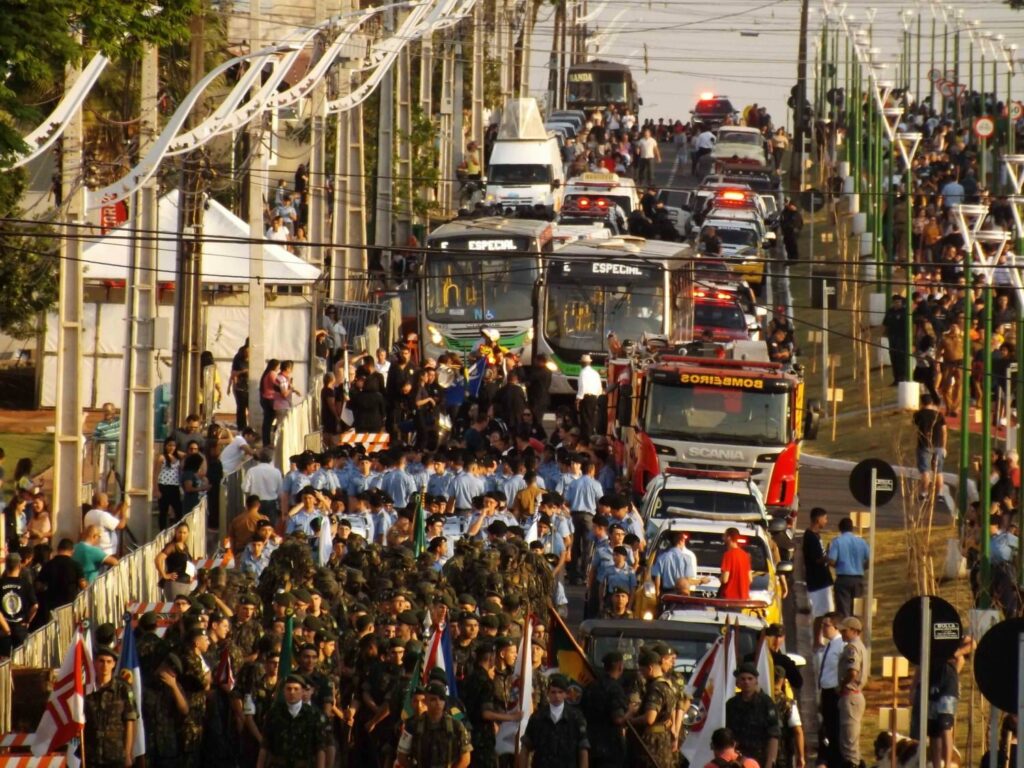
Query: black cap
point(105, 650)
point(746, 668)
point(436, 688)
point(559, 681)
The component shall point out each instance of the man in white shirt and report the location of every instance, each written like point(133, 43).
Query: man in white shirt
point(278, 232)
point(589, 390)
point(702, 146)
point(265, 480)
point(236, 452)
point(109, 523)
point(649, 155)
point(828, 689)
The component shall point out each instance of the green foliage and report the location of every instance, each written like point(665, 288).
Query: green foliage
point(425, 162)
point(28, 265)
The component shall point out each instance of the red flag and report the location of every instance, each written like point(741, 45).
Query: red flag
point(225, 674)
point(64, 716)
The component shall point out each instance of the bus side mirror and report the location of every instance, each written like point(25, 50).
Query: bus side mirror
point(812, 419)
point(556, 183)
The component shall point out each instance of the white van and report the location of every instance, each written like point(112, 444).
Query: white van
point(525, 169)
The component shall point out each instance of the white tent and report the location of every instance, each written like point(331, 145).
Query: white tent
point(225, 250)
point(520, 119)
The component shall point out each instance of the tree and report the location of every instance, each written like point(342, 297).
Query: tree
point(28, 266)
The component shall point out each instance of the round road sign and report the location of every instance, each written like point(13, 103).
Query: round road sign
point(934, 75)
point(885, 482)
point(1016, 110)
point(946, 88)
point(946, 632)
point(811, 200)
point(984, 127)
point(995, 664)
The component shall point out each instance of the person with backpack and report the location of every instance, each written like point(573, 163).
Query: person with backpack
point(434, 738)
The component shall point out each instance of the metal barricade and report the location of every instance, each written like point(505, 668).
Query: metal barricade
point(357, 317)
point(298, 423)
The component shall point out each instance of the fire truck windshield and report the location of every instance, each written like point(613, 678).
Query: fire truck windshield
point(717, 414)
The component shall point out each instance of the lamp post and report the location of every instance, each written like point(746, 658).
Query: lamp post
point(908, 142)
point(968, 220)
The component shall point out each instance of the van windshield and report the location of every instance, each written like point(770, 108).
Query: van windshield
point(510, 175)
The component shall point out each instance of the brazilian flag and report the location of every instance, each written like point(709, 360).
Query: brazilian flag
point(419, 527)
point(565, 652)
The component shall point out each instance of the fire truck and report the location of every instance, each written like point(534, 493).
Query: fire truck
point(714, 412)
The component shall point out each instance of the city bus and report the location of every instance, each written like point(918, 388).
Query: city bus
point(480, 273)
point(600, 84)
point(633, 287)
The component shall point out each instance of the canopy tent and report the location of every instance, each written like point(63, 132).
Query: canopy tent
point(520, 119)
point(225, 250)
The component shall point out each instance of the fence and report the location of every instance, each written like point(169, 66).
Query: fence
point(369, 326)
point(134, 579)
point(299, 430)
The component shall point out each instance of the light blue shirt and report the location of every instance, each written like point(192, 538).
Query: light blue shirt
point(358, 482)
point(301, 520)
point(672, 565)
point(1004, 548)
point(583, 494)
point(549, 471)
point(440, 485)
point(325, 480)
point(464, 487)
point(513, 486)
point(849, 552)
point(400, 486)
point(601, 560)
point(251, 564)
point(618, 577)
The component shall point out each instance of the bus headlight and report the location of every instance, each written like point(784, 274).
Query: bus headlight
point(551, 366)
point(648, 615)
point(435, 336)
point(491, 198)
point(649, 591)
point(529, 333)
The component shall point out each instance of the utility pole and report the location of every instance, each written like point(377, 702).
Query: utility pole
point(136, 448)
point(256, 188)
point(426, 98)
point(189, 288)
point(383, 233)
point(799, 134)
point(477, 130)
point(67, 455)
point(449, 116)
point(403, 135)
point(318, 149)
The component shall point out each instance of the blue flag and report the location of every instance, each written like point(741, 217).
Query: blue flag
point(476, 377)
point(128, 669)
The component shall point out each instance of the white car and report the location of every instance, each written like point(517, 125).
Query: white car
point(739, 144)
point(701, 494)
point(597, 186)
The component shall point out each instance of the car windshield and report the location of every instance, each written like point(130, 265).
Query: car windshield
point(740, 137)
point(719, 315)
point(623, 201)
point(693, 641)
point(735, 505)
point(714, 107)
point(709, 548)
point(718, 414)
point(674, 198)
point(510, 175)
point(737, 237)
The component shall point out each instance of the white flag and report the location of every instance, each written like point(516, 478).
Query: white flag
point(510, 734)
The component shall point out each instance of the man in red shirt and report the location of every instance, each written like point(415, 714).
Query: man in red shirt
point(735, 569)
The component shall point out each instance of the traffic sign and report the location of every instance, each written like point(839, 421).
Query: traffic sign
point(1016, 110)
point(934, 75)
point(811, 200)
point(946, 88)
point(885, 482)
point(946, 631)
point(984, 127)
point(996, 662)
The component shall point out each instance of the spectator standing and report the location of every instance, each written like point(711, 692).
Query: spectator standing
point(238, 450)
point(853, 676)
point(792, 223)
point(109, 522)
point(59, 581)
point(267, 391)
point(89, 556)
point(284, 390)
point(265, 481)
point(735, 569)
point(193, 483)
point(894, 323)
point(816, 566)
point(649, 154)
point(849, 555)
point(752, 717)
point(238, 385)
point(930, 425)
point(604, 705)
point(18, 604)
point(107, 437)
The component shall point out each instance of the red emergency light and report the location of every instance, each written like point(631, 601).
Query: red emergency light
point(708, 474)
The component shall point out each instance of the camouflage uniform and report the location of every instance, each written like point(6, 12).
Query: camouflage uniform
point(754, 723)
point(192, 682)
point(107, 712)
point(163, 726)
point(246, 635)
point(604, 699)
point(478, 696)
point(659, 696)
point(556, 745)
point(787, 746)
point(434, 745)
point(293, 742)
point(152, 649)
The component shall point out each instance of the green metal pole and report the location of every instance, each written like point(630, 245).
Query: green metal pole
point(917, 58)
point(908, 323)
point(945, 59)
point(981, 84)
point(876, 193)
point(889, 219)
point(970, 77)
point(1011, 143)
point(965, 390)
point(986, 456)
point(956, 74)
point(931, 61)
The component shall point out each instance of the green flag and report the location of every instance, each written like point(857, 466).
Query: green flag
point(284, 664)
point(414, 682)
point(419, 526)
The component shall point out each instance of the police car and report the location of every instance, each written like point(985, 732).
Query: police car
point(731, 496)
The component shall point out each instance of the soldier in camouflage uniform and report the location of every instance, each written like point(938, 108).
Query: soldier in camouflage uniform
point(791, 743)
point(255, 689)
point(163, 711)
point(477, 692)
point(434, 739)
point(152, 648)
point(293, 733)
point(752, 717)
point(605, 707)
point(110, 716)
point(246, 629)
point(676, 679)
point(656, 713)
point(195, 683)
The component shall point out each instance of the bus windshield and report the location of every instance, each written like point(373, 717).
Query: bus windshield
point(718, 414)
point(479, 287)
point(579, 314)
point(510, 175)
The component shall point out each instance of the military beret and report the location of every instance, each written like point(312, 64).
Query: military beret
point(612, 657)
point(503, 642)
point(746, 668)
point(248, 599)
point(396, 642)
point(559, 681)
point(620, 591)
point(323, 636)
point(302, 595)
point(105, 650)
point(148, 621)
point(106, 634)
point(490, 621)
point(312, 623)
point(600, 520)
point(174, 662)
point(466, 599)
point(284, 598)
point(408, 618)
point(648, 658)
point(295, 677)
point(436, 688)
